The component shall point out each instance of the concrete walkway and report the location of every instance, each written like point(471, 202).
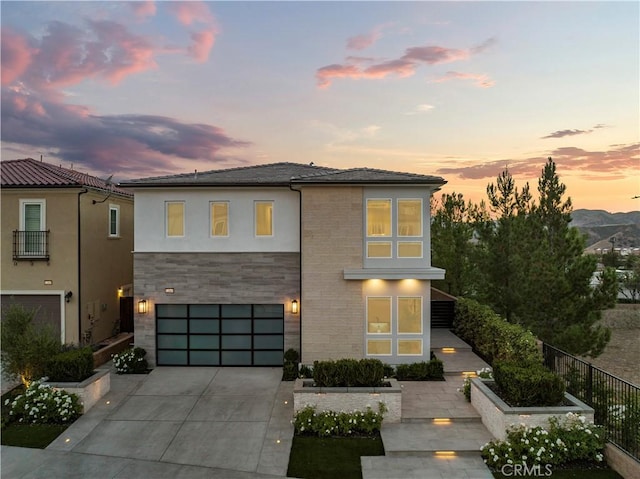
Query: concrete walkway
point(234, 423)
point(175, 423)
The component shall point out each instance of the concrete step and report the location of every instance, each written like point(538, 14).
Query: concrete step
point(424, 439)
point(428, 467)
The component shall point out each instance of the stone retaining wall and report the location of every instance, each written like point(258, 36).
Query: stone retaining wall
point(349, 399)
point(90, 390)
point(497, 416)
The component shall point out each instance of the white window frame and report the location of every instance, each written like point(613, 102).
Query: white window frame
point(398, 298)
point(255, 218)
point(366, 213)
point(410, 339)
point(166, 218)
point(366, 326)
point(115, 208)
point(398, 235)
point(211, 225)
point(43, 212)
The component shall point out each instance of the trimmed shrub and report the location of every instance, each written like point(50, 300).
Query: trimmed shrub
point(131, 361)
point(348, 373)
point(528, 384)
point(389, 371)
point(309, 422)
point(423, 371)
point(492, 336)
point(305, 372)
point(41, 404)
point(74, 365)
point(291, 356)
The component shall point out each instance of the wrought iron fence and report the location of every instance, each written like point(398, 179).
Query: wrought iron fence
point(616, 402)
point(30, 245)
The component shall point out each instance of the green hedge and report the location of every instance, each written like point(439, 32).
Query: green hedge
point(423, 371)
point(492, 336)
point(348, 373)
point(290, 366)
point(528, 384)
point(74, 366)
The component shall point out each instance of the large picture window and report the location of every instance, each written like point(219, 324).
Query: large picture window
point(175, 218)
point(379, 217)
point(410, 217)
point(220, 218)
point(378, 315)
point(410, 315)
point(264, 218)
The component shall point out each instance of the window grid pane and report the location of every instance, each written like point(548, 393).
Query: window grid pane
point(379, 249)
point(32, 217)
point(410, 347)
point(175, 219)
point(409, 218)
point(379, 346)
point(378, 217)
point(379, 315)
point(410, 249)
point(264, 219)
point(220, 219)
point(410, 315)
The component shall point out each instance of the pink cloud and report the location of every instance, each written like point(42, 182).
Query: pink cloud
point(589, 164)
point(202, 43)
point(482, 81)
point(360, 42)
point(406, 65)
point(16, 55)
point(191, 12)
point(143, 8)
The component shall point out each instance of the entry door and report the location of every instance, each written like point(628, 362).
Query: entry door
point(220, 334)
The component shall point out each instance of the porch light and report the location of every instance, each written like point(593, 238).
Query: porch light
point(294, 306)
point(142, 306)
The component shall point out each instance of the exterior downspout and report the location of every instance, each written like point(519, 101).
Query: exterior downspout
point(300, 254)
point(79, 296)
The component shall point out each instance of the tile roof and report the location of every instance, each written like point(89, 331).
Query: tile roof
point(29, 173)
point(284, 174)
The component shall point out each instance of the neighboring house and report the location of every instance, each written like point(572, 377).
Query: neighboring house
point(67, 239)
point(231, 267)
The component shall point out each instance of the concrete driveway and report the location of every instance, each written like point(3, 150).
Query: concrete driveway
point(174, 422)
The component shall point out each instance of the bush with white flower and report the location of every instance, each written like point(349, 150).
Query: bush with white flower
point(568, 440)
point(308, 421)
point(41, 404)
point(484, 373)
point(130, 361)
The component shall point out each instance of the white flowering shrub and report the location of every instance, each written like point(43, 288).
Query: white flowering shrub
point(308, 421)
point(131, 361)
point(41, 404)
point(565, 441)
point(485, 373)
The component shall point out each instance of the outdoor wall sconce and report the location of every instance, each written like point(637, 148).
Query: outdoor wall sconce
point(142, 306)
point(294, 306)
point(67, 296)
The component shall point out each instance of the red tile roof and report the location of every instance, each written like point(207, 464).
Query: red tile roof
point(29, 173)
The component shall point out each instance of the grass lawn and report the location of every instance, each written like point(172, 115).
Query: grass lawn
point(27, 435)
point(318, 458)
point(31, 435)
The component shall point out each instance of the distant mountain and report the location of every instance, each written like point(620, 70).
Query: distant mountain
point(600, 226)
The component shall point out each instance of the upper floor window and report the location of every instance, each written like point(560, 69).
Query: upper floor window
point(410, 217)
point(114, 221)
point(379, 217)
point(220, 218)
point(31, 240)
point(264, 218)
point(32, 215)
point(175, 218)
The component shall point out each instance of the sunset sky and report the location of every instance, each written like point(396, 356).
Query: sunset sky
point(456, 89)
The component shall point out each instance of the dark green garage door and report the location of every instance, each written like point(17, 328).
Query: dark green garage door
point(219, 334)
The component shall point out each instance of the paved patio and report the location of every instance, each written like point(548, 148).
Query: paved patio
point(234, 423)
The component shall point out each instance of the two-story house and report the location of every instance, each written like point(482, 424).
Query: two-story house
point(231, 267)
point(67, 239)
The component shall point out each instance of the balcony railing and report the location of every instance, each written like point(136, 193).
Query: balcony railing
point(31, 245)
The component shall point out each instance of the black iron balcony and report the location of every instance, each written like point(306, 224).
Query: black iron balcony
point(31, 245)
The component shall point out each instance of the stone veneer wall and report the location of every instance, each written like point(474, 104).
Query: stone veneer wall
point(332, 308)
point(225, 278)
point(497, 416)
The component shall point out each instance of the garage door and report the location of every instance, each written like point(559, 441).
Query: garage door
point(46, 307)
point(219, 334)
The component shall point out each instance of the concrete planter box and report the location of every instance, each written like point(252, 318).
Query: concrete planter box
point(497, 416)
point(349, 399)
point(90, 390)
